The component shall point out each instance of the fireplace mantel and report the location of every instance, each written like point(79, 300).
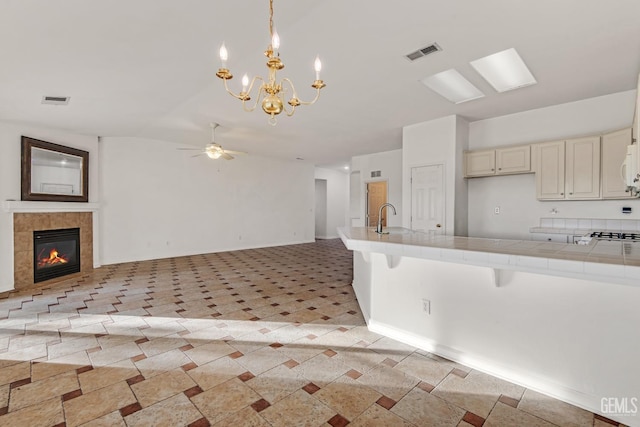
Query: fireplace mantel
point(20, 206)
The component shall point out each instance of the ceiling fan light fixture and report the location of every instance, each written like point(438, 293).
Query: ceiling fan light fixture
point(270, 94)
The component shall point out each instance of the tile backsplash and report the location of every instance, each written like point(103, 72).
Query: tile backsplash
point(591, 224)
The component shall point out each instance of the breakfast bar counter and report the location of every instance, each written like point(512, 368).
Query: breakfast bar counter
point(561, 319)
point(608, 261)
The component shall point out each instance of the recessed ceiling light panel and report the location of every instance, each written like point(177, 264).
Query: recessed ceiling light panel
point(453, 86)
point(504, 70)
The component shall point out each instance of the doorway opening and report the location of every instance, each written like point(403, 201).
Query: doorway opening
point(376, 197)
point(321, 209)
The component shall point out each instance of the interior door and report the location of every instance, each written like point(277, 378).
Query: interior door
point(427, 198)
point(376, 197)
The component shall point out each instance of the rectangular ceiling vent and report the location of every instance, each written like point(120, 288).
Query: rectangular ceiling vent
point(420, 53)
point(56, 100)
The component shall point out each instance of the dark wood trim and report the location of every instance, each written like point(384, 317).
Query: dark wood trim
point(27, 144)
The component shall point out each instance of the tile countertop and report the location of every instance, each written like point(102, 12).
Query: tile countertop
point(607, 261)
point(577, 231)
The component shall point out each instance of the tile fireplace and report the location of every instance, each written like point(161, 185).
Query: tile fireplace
point(27, 255)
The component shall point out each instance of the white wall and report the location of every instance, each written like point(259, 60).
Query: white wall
point(160, 202)
point(439, 141)
point(389, 163)
point(10, 184)
point(516, 195)
point(337, 203)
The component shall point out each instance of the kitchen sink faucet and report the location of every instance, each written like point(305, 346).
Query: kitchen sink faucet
point(379, 227)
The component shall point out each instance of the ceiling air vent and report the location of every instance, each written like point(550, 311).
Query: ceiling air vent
point(55, 100)
point(427, 50)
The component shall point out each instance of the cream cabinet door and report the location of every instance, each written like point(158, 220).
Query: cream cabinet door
point(550, 170)
point(614, 151)
point(480, 163)
point(583, 168)
point(513, 160)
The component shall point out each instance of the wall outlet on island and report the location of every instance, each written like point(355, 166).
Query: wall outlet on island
point(426, 306)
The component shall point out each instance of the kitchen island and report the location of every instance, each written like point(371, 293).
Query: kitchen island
point(557, 318)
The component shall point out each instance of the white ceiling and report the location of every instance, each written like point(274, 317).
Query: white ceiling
point(146, 68)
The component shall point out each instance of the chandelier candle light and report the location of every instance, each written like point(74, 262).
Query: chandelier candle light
point(271, 91)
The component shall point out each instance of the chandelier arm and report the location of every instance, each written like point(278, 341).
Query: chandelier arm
point(295, 94)
point(229, 91)
point(289, 113)
point(255, 104)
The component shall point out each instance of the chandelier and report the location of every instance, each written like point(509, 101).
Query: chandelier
point(271, 92)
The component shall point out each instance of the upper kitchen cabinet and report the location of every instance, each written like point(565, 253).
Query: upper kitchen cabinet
point(568, 170)
point(501, 161)
point(480, 163)
point(582, 176)
point(614, 151)
point(550, 170)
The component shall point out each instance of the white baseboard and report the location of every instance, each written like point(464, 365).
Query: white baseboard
point(528, 380)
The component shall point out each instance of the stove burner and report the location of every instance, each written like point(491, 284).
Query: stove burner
point(607, 235)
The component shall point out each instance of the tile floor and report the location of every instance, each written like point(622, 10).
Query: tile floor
point(264, 337)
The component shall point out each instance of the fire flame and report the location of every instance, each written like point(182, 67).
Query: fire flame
point(54, 258)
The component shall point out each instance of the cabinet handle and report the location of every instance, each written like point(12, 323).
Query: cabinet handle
point(562, 194)
point(492, 170)
point(499, 169)
point(570, 194)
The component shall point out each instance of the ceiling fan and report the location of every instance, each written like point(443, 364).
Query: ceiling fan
point(214, 150)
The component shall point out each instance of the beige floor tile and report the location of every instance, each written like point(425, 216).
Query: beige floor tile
point(554, 410)
point(35, 392)
point(246, 417)
point(225, 399)
point(298, 409)
point(360, 359)
point(467, 394)
point(425, 368)
point(216, 372)
point(505, 415)
point(69, 346)
point(106, 375)
point(114, 354)
point(426, 410)
point(160, 363)
point(46, 414)
point(14, 372)
point(347, 397)
point(208, 352)
point(4, 396)
point(59, 365)
point(174, 411)
point(97, 403)
point(262, 360)
point(390, 382)
point(277, 383)
point(112, 419)
point(162, 386)
point(161, 345)
point(321, 370)
point(377, 416)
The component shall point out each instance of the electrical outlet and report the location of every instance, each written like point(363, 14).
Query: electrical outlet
point(496, 210)
point(426, 306)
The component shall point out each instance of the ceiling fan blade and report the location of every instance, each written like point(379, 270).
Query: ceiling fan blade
point(190, 149)
point(199, 154)
point(235, 152)
point(226, 156)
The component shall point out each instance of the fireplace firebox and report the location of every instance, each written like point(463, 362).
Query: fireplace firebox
point(56, 253)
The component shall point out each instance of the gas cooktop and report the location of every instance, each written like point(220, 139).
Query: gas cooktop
point(607, 235)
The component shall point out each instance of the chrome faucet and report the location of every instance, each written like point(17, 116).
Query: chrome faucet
point(379, 226)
